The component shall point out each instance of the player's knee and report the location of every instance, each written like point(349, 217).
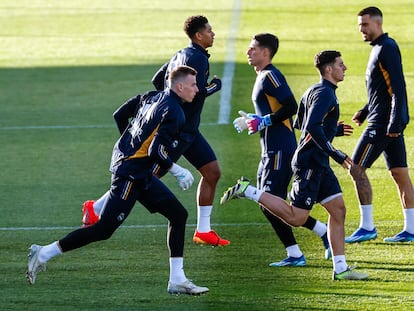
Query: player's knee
point(399, 174)
point(103, 231)
point(211, 172)
point(179, 216)
point(356, 171)
point(338, 215)
point(184, 215)
point(106, 235)
point(296, 219)
point(341, 213)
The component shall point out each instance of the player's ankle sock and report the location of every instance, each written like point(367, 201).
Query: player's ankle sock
point(253, 193)
point(203, 218)
point(339, 263)
point(294, 251)
point(177, 274)
point(49, 251)
point(99, 204)
point(367, 219)
point(409, 220)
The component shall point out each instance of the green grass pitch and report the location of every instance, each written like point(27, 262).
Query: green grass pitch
point(65, 66)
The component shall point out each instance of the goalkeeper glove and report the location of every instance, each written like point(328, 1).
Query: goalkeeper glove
point(257, 123)
point(214, 86)
point(240, 123)
point(183, 176)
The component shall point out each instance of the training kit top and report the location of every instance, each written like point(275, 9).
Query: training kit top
point(149, 136)
point(387, 95)
point(196, 57)
point(272, 96)
point(317, 119)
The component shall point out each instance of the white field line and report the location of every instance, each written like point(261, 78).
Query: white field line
point(50, 228)
point(58, 127)
point(229, 65)
point(156, 226)
point(71, 127)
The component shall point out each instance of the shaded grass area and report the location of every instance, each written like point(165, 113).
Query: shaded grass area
point(130, 271)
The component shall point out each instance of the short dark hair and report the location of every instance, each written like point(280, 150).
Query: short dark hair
point(371, 11)
point(180, 72)
point(268, 40)
point(193, 24)
point(325, 58)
